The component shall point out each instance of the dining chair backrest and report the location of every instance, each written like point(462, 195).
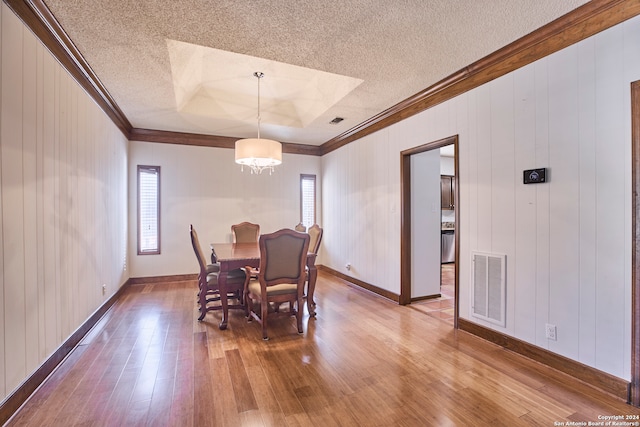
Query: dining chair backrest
point(280, 278)
point(315, 232)
point(195, 242)
point(245, 232)
point(283, 257)
point(301, 227)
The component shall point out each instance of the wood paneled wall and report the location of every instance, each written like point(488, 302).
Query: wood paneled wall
point(63, 220)
point(204, 186)
point(568, 242)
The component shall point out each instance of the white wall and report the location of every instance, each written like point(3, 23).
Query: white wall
point(63, 222)
point(63, 199)
point(447, 166)
point(361, 189)
point(425, 223)
point(568, 242)
point(204, 186)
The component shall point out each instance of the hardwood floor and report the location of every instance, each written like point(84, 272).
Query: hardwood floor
point(364, 361)
point(443, 307)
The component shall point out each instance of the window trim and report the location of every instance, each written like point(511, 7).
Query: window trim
point(148, 168)
point(312, 177)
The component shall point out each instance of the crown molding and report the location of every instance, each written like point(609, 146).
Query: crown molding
point(39, 19)
point(583, 22)
point(167, 137)
point(577, 25)
point(183, 138)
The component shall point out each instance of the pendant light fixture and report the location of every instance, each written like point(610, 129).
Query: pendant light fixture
point(256, 153)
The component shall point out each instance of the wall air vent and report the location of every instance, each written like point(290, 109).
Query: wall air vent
point(336, 120)
point(488, 293)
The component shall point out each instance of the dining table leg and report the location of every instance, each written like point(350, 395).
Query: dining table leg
point(222, 286)
point(311, 304)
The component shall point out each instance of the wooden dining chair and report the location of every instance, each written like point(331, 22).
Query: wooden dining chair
point(208, 290)
point(301, 228)
point(315, 237)
point(315, 234)
point(280, 278)
point(245, 232)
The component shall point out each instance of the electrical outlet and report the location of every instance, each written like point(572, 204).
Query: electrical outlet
point(550, 331)
point(348, 266)
point(104, 289)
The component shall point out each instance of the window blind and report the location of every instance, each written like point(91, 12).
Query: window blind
point(308, 200)
point(148, 209)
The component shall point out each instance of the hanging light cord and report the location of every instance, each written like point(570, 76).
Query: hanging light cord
point(259, 75)
point(258, 154)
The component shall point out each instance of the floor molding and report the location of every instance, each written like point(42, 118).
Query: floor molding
point(162, 279)
point(369, 287)
point(15, 400)
point(594, 377)
point(426, 297)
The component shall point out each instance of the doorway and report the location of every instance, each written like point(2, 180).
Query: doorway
point(411, 221)
point(634, 387)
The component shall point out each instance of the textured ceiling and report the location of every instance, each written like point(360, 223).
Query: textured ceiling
point(188, 65)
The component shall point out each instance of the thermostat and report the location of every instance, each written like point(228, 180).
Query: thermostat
point(535, 176)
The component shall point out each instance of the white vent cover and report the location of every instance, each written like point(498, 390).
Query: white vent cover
point(488, 287)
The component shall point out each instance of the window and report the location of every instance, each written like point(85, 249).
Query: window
point(308, 200)
point(148, 210)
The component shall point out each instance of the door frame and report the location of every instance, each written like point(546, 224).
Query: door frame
point(405, 218)
point(405, 234)
point(634, 387)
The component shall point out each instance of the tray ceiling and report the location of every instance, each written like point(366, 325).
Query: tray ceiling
point(187, 66)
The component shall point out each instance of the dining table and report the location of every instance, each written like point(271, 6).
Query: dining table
point(231, 256)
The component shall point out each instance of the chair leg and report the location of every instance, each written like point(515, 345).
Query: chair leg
point(202, 296)
point(264, 309)
point(250, 308)
point(299, 315)
point(245, 301)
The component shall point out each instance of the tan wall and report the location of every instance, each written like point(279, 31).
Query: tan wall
point(204, 186)
point(63, 219)
point(567, 242)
